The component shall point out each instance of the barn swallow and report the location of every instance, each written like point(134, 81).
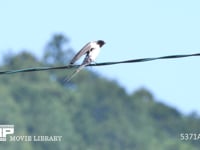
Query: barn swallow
point(91, 50)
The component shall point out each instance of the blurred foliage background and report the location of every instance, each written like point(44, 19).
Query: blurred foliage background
point(91, 112)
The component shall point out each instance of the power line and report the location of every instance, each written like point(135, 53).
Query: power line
point(98, 64)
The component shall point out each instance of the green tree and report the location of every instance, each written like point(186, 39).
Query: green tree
point(91, 113)
point(57, 51)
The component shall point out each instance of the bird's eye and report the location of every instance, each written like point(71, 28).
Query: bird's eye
point(91, 49)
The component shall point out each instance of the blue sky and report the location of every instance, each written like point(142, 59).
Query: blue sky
point(132, 29)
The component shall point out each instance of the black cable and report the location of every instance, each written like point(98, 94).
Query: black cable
point(98, 64)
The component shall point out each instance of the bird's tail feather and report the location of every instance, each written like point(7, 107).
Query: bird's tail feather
point(67, 79)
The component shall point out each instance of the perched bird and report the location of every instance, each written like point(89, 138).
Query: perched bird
point(91, 50)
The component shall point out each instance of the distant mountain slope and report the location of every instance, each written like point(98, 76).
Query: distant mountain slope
point(89, 113)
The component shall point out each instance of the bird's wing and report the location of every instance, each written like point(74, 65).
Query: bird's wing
point(83, 51)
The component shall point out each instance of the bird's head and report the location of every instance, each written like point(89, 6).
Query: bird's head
point(100, 43)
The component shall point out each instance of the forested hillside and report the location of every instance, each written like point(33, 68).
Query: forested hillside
point(90, 112)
